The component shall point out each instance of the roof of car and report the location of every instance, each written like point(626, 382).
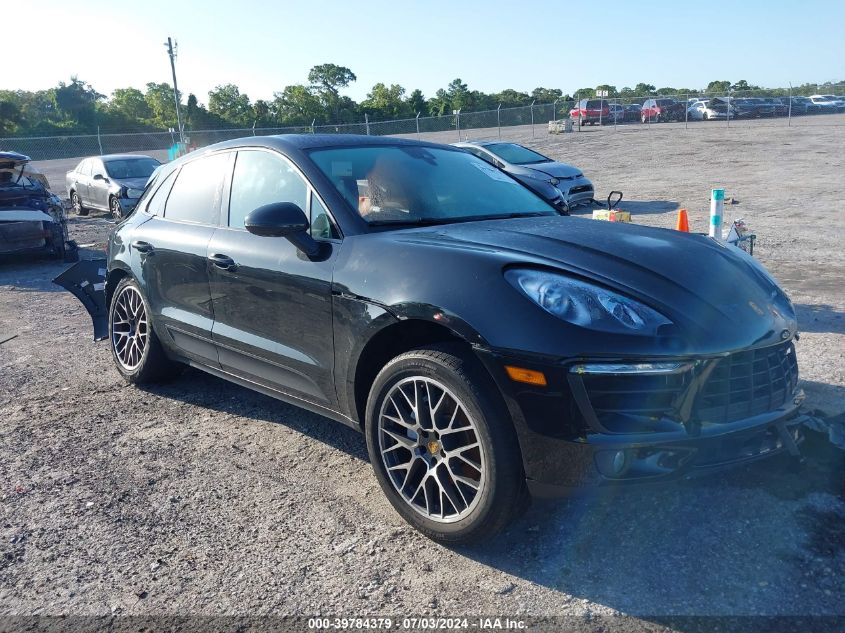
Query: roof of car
point(13, 157)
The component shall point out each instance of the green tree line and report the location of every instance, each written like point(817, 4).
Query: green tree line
point(76, 107)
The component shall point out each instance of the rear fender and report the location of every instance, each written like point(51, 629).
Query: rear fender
point(87, 281)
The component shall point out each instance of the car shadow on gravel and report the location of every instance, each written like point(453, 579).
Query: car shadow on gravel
point(820, 318)
point(745, 541)
point(209, 392)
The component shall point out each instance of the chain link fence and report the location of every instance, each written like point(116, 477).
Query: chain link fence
point(733, 108)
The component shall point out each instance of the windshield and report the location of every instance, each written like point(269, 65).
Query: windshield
point(665, 102)
point(421, 185)
point(131, 167)
point(516, 154)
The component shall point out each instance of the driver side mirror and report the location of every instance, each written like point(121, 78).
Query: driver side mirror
point(99, 177)
point(283, 219)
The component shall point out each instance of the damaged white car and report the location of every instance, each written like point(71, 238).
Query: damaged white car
point(32, 219)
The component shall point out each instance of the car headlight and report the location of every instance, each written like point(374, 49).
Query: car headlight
point(134, 193)
point(554, 181)
point(585, 304)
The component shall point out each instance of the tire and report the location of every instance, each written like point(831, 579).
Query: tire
point(114, 208)
point(489, 489)
point(642, 118)
point(135, 348)
point(705, 116)
point(77, 204)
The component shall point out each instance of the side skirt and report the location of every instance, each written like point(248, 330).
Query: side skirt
point(278, 395)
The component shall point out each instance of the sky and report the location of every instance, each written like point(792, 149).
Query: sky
point(491, 45)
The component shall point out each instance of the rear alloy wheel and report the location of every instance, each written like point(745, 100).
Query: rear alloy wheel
point(642, 118)
point(77, 204)
point(114, 207)
point(444, 451)
point(135, 347)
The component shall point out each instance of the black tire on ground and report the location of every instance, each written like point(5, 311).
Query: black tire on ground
point(642, 118)
point(153, 366)
point(77, 204)
point(503, 493)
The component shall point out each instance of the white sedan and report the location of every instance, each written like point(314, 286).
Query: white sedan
point(709, 109)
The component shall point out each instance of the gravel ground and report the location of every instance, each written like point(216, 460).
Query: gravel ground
point(200, 497)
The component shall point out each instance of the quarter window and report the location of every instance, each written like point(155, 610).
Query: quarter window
point(321, 223)
point(195, 196)
point(263, 178)
point(157, 200)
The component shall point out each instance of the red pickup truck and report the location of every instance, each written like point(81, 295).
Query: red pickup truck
point(591, 111)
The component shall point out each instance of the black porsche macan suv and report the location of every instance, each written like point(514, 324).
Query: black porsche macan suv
point(487, 346)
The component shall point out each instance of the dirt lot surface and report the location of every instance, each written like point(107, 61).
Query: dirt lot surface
point(203, 497)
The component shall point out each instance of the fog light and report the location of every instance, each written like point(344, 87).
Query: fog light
point(612, 463)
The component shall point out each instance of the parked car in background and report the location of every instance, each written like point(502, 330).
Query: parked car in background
point(633, 111)
point(110, 183)
point(802, 105)
point(485, 346)
point(590, 111)
point(616, 113)
point(710, 109)
point(662, 110)
point(529, 167)
point(32, 219)
point(828, 103)
point(779, 108)
point(751, 108)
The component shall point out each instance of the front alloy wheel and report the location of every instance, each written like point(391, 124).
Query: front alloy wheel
point(135, 347)
point(130, 331)
point(77, 204)
point(443, 446)
point(430, 448)
point(114, 207)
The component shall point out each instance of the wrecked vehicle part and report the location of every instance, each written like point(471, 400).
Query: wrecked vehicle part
point(87, 281)
point(32, 219)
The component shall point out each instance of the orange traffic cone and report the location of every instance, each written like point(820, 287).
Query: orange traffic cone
point(683, 221)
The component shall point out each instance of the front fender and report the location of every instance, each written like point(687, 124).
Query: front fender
point(86, 280)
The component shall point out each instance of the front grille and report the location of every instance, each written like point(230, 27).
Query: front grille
point(635, 403)
point(741, 385)
point(748, 383)
point(580, 189)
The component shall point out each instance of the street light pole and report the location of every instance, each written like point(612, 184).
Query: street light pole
point(171, 52)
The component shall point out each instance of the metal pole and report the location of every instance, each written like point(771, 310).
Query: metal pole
point(615, 114)
point(458, 122)
point(789, 112)
point(253, 126)
point(172, 54)
point(532, 118)
point(367, 122)
point(99, 142)
point(499, 119)
point(313, 123)
point(418, 125)
point(686, 113)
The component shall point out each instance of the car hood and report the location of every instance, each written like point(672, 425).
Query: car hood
point(554, 169)
point(700, 285)
point(131, 183)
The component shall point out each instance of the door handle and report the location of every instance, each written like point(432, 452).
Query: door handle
point(142, 247)
point(223, 262)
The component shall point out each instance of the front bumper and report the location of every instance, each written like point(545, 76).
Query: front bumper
point(568, 444)
point(576, 192)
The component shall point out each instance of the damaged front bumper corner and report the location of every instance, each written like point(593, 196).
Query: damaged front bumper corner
point(87, 281)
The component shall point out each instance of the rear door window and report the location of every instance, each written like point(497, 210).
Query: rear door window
point(195, 196)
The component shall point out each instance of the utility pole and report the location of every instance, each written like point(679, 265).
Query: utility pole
point(171, 51)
